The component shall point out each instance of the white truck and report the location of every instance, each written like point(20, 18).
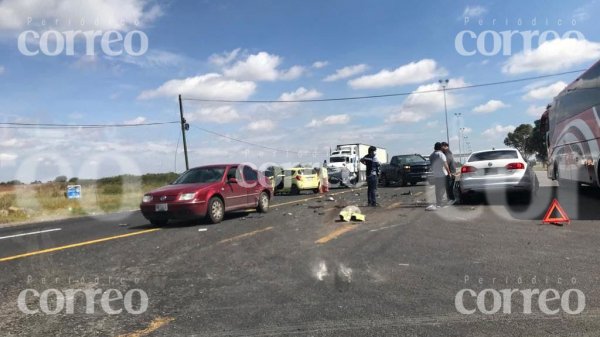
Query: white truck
point(349, 155)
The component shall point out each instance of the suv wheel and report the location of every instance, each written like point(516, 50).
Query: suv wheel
point(295, 190)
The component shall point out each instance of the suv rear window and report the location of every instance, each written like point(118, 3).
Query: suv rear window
point(411, 159)
point(494, 155)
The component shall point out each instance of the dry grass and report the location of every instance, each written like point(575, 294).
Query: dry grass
point(47, 201)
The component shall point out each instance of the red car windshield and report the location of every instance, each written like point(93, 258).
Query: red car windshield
point(201, 175)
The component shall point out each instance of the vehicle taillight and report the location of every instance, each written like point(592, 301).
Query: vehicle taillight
point(298, 178)
point(467, 169)
point(515, 166)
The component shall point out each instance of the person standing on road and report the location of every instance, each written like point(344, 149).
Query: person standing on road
point(452, 173)
point(440, 170)
point(372, 163)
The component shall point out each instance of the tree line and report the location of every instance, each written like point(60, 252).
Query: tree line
point(529, 140)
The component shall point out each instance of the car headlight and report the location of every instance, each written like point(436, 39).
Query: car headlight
point(147, 198)
point(187, 196)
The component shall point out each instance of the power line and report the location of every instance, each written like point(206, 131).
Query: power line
point(246, 142)
point(383, 95)
point(11, 125)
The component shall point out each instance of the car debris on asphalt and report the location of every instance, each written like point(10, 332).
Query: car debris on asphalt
point(351, 213)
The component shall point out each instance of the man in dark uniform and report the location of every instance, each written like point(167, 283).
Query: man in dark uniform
point(451, 175)
point(372, 163)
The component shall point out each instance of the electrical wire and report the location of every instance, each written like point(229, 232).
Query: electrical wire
point(382, 95)
point(13, 125)
point(246, 142)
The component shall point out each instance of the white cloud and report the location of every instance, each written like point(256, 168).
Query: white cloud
point(261, 125)
point(214, 114)
point(474, 11)
point(419, 106)
point(137, 120)
point(546, 93)
point(7, 157)
point(330, 120)
point(224, 58)
point(1, 70)
point(300, 94)
point(491, 106)
point(13, 143)
point(154, 58)
point(498, 131)
point(320, 64)
point(432, 124)
point(552, 56)
point(113, 15)
point(406, 116)
point(291, 74)
point(346, 72)
point(536, 111)
point(414, 72)
point(208, 86)
point(583, 13)
point(262, 67)
point(467, 130)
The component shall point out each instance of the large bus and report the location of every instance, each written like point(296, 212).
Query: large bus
point(572, 127)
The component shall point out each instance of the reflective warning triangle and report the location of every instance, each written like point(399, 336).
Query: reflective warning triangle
point(556, 214)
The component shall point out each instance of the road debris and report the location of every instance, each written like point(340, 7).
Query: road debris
point(351, 213)
point(202, 229)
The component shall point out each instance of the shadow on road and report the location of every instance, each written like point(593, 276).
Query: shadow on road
point(579, 203)
point(196, 222)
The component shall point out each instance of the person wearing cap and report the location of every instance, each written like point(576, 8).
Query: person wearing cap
point(451, 176)
point(372, 164)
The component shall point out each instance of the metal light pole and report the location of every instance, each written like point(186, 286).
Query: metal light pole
point(458, 134)
point(461, 138)
point(444, 83)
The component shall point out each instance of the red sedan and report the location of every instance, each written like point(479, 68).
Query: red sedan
point(208, 191)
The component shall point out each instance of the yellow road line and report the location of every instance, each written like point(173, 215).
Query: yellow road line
point(50, 250)
point(394, 205)
point(335, 234)
point(156, 324)
point(313, 198)
point(241, 236)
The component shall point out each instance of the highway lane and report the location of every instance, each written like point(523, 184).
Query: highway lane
point(27, 238)
point(296, 271)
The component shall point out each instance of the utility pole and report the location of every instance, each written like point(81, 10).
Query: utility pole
point(444, 83)
point(184, 126)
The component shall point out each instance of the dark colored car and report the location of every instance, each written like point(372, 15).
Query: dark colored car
point(208, 191)
point(405, 169)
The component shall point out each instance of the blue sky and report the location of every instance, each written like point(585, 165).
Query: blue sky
point(274, 50)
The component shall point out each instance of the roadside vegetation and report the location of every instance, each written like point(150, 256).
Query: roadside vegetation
point(42, 201)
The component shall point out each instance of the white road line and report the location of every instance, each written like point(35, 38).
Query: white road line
point(31, 233)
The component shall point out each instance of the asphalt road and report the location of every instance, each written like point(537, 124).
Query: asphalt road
point(298, 271)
